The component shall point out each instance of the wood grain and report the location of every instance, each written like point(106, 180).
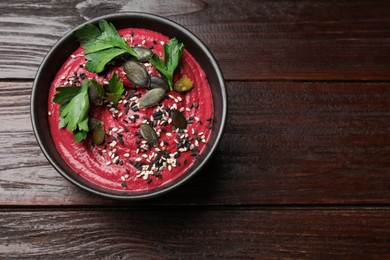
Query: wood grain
point(284, 143)
point(255, 40)
point(184, 233)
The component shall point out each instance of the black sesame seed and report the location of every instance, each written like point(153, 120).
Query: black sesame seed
point(138, 141)
point(120, 139)
point(209, 119)
point(132, 34)
point(135, 109)
point(157, 175)
point(163, 130)
point(209, 126)
point(127, 109)
point(149, 181)
point(136, 133)
point(121, 162)
point(166, 143)
point(125, 129)
point(100, 152)
point(127, 171)
point(136, 116)
point(124, 184)
point(154, 42)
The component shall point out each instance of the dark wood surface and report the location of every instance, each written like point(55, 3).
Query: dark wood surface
point(302, 171)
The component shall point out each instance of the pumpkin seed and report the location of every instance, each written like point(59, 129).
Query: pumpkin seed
point(137, 74)
point(143, 53)
point(149, 134)
point(184, 84)
point(94, 95)
point(152, 97)
point(178, 119)
point(97, 128)
point(157, 82)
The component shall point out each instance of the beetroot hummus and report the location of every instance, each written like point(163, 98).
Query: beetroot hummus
point(125, 161)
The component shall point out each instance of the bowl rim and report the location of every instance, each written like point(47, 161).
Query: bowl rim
point(174, 184)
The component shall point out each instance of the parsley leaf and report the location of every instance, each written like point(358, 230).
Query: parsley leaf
point(115, 86)
point(101, 45)
point(172, 54)
point(74, 109)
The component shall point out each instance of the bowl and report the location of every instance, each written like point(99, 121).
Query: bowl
point(63, 49)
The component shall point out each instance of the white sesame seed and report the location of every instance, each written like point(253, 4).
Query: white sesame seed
point(174, 106)
point(147, 64)
point(196, 143)
point(113, 143)
point(187, 109)
point(114, 129)
point(158, 149)
point(114, 150)
point(120, 114)
point(192, 147)
point(170, 96)
point(169, 120)
point(138, 159)
point(116, 159)
point(161, 42)
point(161, 144)
point(126, 155)
point(109, 153)
point(196, 118)
point(137, 151)
point(108, 163)
point(120, 101)
point(143, 42)
point(63, 77)
point(176, 100)
point(169, 134)
point(104, 150)
point(112, 156)
point(182, 109)
point(144, 141)
point(116, 111)
point(203, 140)
point(123, 178)
point(121, 130)
point(126, 176)
point(73, 56)
point(112, 109)
point(201, 133)
point(105, 82)
point(49, 113)
point(169, 167)
point(179, 98)
point(145, 155)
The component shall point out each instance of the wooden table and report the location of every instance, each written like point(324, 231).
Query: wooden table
point(302, 171)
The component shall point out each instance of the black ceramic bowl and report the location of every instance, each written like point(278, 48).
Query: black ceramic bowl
point(63, 49)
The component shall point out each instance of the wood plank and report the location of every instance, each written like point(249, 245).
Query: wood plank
point(196, 234)
point(284, 143)
point(304, 40)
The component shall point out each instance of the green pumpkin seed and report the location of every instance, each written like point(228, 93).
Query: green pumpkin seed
point(97, 128)
point(152, 97)
point(143, 53)
point(149, 134)
point(137, 74)
point(157, 82)
point(178, 119)
point(184, 84)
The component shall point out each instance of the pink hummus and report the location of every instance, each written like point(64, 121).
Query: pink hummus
point(130, 163)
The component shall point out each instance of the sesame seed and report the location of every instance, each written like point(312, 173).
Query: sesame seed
point(49, 113)
point(145, 156)
point(63, 77)
point(179, 98)
point(126, 155)
point(73, 56)
point(113, 143)
point(187, 109)
point(120, 114)
point(138, 159)
point(169, 167)
point(108, 163)
point(182, 109)
point(161, 42)
point(169, 134)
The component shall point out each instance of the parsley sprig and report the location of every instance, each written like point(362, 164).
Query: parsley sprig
point(101, 45)
point(75, 103)
point(172, 54)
